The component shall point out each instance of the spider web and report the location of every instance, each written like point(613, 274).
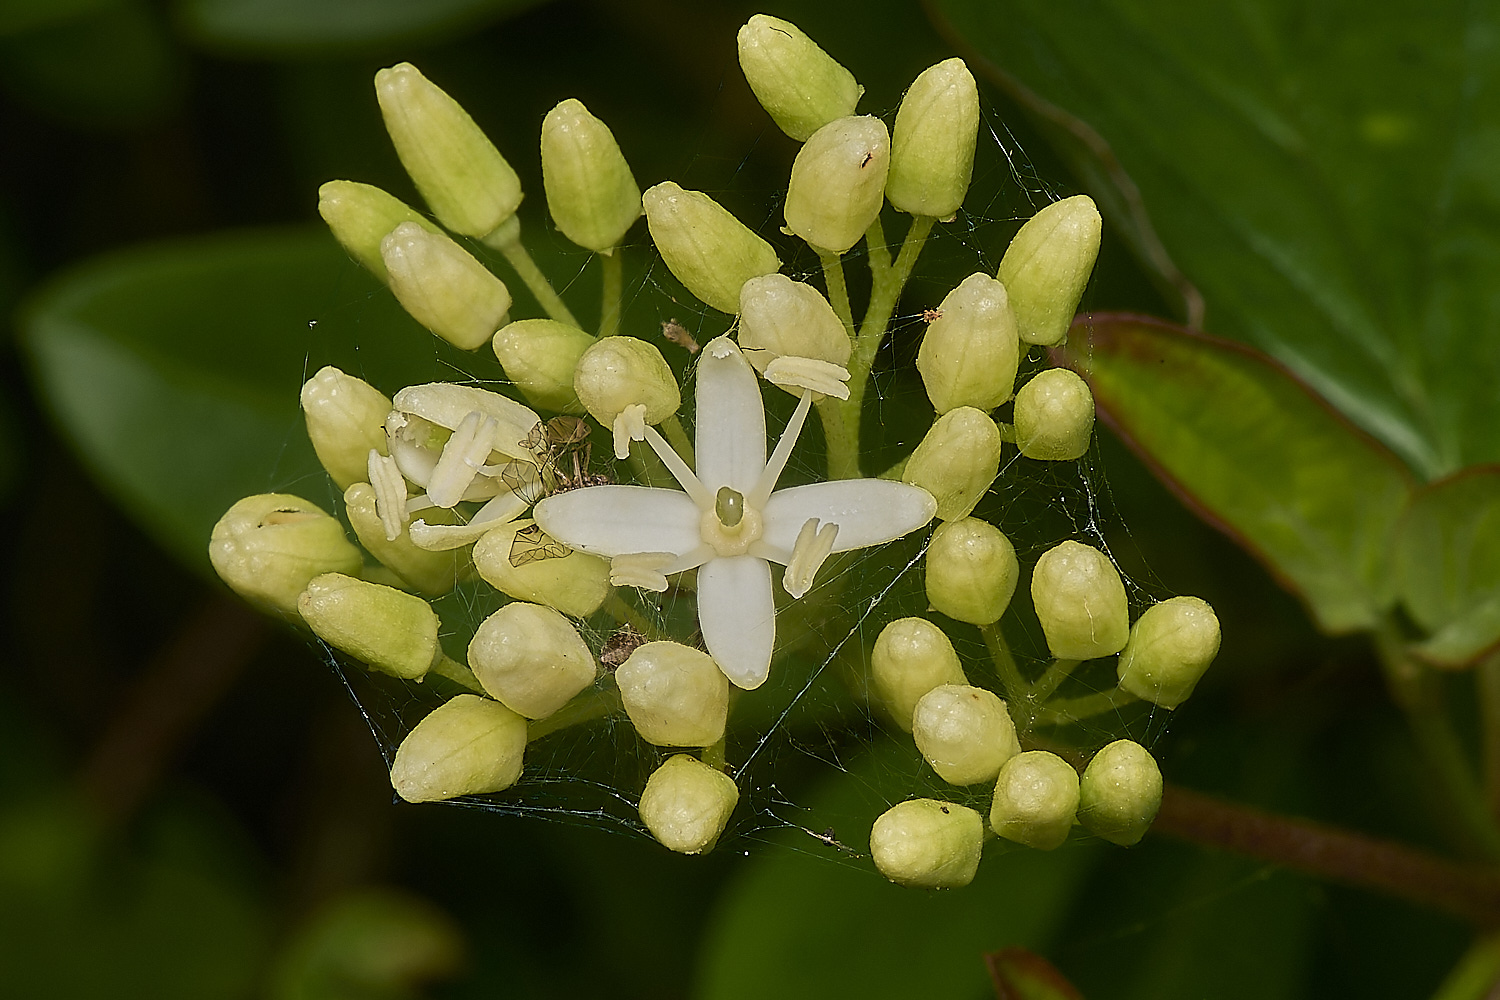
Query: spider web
point(815, 721)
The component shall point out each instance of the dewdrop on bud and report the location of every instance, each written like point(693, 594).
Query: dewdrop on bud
point(443, 287)
point(361, 215)
point(838, 183)
point(970, 352)
point(591, 192)
point(463, 178)
point(910, 658)
point(710, 251)
point(388, 630)
point(1054, 416)
point(267, 547)
point(531, 658)
point(687, 803)
point(964, 732)
point(619, 373)
point(345, 419)
point(927, 844)
point(799, 85)
point(1036, 800)
point(1170, 647)
point(467, 746)
point(971, 571)
point(932, 148)
point(1120, 793)
point(957, 461)
point(1080, 602)
point(782, 318)
point(540, 356)
point(675, 695)
point(1047, 266)
point(575, 584)
point(431, 573)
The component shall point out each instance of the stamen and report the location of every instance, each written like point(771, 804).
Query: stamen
point(679, 470)
point(465, 452)
point(757, 497)
point(791, 372)
point(813, 547)
point(441, 537)
point(729, 506)
point(390, 493)
point(640, 569)
point(629, 425)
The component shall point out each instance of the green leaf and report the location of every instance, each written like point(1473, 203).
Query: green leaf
point(174, 369)
point(1024, 975)
point(1257, 454)
point(276, 26)
point(797, 924)
point(1448, 565)
point(1325, 174)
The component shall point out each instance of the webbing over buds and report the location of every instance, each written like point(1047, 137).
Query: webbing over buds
point(1047, 266)
point(591, 192)
point(1170, 647)
point(956, 461)
point(390, 631)
point(799, 84)
point(932, 148)
point(1054, 416)
point(971, 571)
point(1120, 793)
point(911, 657)
point(467, 746)
point(1080, 602)
point(838, 183)
point(970, 352)
point(710, 251)
point(686, 804)
point(531, 658)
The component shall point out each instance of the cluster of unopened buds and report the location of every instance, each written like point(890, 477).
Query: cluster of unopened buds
point(445, 481)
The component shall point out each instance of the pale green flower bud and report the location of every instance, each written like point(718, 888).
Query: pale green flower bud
point(799, 84)
point(386, 629)
point(443, 287)
point(1120, 793)
point(345, 419)
point(970, 352)
point(838, 183)
point(932, 150)
point(462, 176)
point(927, 844)
point(1054, 416)
point(911, 657)
point(531, 658)
point(1170, 647)
point(687, 803)
point(710, 251)
point(971, 571)
point(591, 192)
point(539, 356)
point(957, 461)
point(780, 317)
point(964, 732)
point(575, 584)
point(1036, 800)
point(621, 372)
point(1047, 266)
point(431, 573)
point(675, 695)
point(267, 547)
point(361, 215)
point(1080, 602)
point(468, 746)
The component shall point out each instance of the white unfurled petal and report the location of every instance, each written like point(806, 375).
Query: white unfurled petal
point(737, 617)
point(415, 461)
point(621, 520)
point(629, 425)
point(447, 404)
point(867, 511)
point(640, 569)
point(441, 537)
point(731, 428)
point(814, 545)
point(795, 374)
point(465, 453)
point(390, 493)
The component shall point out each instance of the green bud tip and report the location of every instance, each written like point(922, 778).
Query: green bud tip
point(710, 251)
point(927, 844)
point(1170, 647)
point(964, 732)
point(1120, 793)
point(360, 216)
point(932, 148)
point(1036, 800)
point(575, 583)
point(1047, 266)
point(443, 287)
point(911, 656)
point(675, 695)
point(390, 631)
point(530, 658)
point(971, 571)
point(591, 193)
point(969, 354)
point(345, 419)
point(686, 804)
point(1054, 416)
point(467, 746)
point(956, 461)
point(1080, 602)
point(540, 356)
point(267, 547)
point(798, 84)
point(838, 183)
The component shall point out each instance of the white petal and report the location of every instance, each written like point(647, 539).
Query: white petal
point(731, 431)
point(737, 617)
point(447, 403)
point(867, 511)
point(620, 520)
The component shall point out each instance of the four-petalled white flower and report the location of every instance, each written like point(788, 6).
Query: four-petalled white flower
point(728, 522)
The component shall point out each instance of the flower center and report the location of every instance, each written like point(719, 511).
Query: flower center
point(731, 526)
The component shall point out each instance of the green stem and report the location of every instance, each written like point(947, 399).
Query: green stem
point(1058, 672)
point(516, 255)
point(1005, 664)
point(678, 439)
point(713, 755)
point(875, 246)
point(616, 607)
point(842, 439)
point(587, 707)
point(456, 672)
point(1067, 711)
point(1417, 691)
point(885, 293)
point(614, 285)
point(838, 290)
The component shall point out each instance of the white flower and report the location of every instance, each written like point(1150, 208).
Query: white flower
point(728, 522)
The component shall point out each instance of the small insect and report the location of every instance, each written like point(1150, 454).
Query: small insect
point(866, 161)
point(678, 334)
point(618, 647)
point(532, 544)
point(830, 838)
point(931, 315)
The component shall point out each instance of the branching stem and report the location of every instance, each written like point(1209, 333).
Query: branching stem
point(612, 293)
point(517, 256)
